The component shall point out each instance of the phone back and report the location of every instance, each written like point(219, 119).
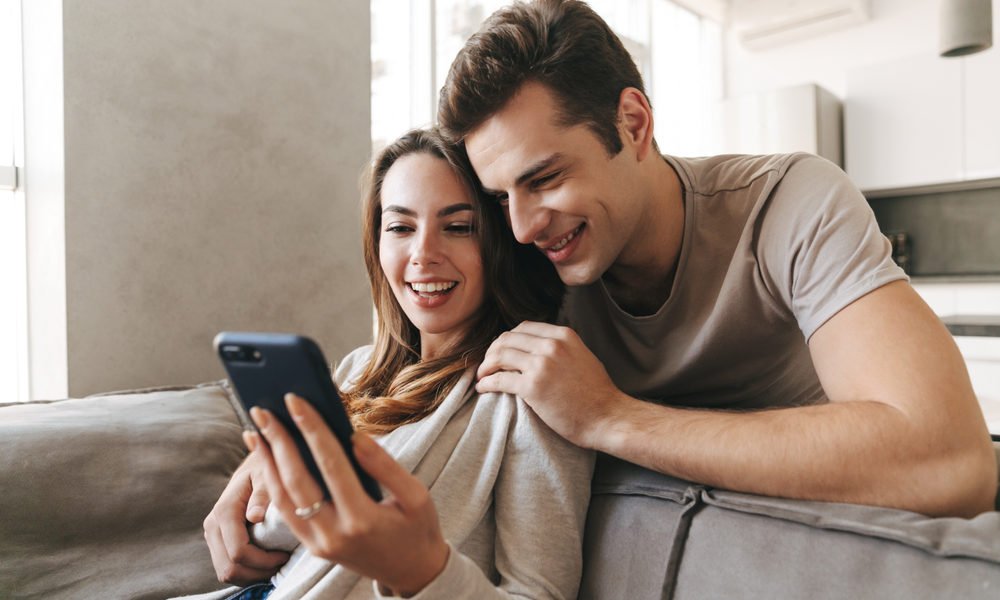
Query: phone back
point(265, 366)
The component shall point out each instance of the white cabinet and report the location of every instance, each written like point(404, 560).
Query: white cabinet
point(802, 118)
point(923, 121)
point(982, 114)
point(981, 354)
point(903, 123)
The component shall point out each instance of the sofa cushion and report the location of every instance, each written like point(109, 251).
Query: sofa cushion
point(653, 536)
point(103, 497)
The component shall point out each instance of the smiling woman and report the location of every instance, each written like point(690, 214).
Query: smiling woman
point(13, 379)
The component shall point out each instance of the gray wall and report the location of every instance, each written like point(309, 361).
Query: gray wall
point(951, 233)
point(212, 159)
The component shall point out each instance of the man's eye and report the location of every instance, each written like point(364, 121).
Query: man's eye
point(543, 180)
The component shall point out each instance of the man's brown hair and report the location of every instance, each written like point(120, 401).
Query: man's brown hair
point(562, 44)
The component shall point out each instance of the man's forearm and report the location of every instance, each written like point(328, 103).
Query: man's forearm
point(860, 452)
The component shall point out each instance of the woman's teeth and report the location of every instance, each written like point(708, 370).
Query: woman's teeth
point(432, 288)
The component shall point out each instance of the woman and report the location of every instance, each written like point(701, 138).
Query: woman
point(510, 494)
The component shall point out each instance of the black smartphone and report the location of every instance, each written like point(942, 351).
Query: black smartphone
point(263, 367)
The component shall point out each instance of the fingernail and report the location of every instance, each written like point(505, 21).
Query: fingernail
point(260, 417)
point(250, 439)
point(294, 404)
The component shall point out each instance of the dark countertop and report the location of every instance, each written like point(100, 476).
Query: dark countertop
point(973, 325)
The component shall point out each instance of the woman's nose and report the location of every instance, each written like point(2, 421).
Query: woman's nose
point(426, 249)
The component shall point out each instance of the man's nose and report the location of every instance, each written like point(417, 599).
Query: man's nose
point(528, 218)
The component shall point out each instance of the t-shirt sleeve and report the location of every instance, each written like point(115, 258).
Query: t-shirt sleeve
point(819, 247)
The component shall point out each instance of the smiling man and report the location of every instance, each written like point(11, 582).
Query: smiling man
point(733, 320)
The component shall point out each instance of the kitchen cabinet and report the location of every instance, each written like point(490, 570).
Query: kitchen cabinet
point(903, 123)
point(923, 121)
point(981, 354)
point(801, 118)
point(982, 114)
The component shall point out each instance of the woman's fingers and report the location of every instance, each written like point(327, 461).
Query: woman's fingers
point(343, 483)
point(285, 470)
point(407, 490)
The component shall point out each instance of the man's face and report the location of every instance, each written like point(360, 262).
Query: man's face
point(561, 190)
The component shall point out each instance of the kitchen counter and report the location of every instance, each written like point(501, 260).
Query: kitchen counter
point(973, 325)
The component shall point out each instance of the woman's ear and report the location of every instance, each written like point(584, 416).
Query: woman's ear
point(636, 121)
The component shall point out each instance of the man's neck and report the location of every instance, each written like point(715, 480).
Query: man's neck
point(641, 280)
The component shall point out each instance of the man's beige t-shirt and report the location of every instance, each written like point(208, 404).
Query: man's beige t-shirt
point(773, 247)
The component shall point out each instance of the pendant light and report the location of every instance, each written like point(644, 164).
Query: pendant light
point(966, 26)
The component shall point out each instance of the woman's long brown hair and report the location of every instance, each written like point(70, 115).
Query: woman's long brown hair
point(396, 387)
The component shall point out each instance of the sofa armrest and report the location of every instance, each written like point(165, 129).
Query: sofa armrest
point(653, 536)
point(103, 497)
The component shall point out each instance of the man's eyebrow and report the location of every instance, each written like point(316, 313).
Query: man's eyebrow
point(444, 212)
point(530, 172)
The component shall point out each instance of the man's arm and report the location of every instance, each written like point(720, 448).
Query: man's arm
point(903, 428)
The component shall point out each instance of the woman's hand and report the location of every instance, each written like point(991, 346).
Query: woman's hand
point(235, 557)
point(396, 542)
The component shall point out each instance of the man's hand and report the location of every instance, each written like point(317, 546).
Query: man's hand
point(554, 372)
point(244, 500)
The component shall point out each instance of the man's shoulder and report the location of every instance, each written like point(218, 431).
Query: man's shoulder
point(710, 175)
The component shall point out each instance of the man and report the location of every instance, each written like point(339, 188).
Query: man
point(735, 283)
point(726, 282)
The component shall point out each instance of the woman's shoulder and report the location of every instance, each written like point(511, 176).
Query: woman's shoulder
point(346, 372)
point(511, 413)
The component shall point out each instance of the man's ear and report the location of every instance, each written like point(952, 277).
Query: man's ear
point(635, 118)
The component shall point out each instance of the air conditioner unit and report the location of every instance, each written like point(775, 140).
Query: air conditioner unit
point(763, 24)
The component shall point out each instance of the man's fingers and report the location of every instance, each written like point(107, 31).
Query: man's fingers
point(404, 487)
point(343, 483)
point(505, 382)
point(508, 359)
point(538, 329)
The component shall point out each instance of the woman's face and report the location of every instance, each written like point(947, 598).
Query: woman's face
point(429, 249)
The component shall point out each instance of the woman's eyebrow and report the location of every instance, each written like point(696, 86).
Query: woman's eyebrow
point(454, 208)
point(399, 209)
point(444, 212)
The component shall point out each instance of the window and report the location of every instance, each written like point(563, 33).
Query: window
point(679, 54)
point(13, 278)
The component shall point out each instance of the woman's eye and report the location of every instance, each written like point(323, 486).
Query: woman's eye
point(397, 228)
point(460, 228)
point(502, 199)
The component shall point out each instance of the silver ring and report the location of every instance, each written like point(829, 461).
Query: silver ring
point(310, 511)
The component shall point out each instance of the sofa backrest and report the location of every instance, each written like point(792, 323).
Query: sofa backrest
point(103, 497)
point(653, 536)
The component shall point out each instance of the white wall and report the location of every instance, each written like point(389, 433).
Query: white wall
point(212, 153)
point(898, 28)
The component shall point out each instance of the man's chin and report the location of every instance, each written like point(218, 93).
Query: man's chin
point(576, 275)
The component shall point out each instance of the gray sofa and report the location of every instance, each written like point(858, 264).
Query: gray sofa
point(103, 497)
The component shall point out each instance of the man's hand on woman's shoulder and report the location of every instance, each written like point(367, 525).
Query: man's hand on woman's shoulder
point(557, 375)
